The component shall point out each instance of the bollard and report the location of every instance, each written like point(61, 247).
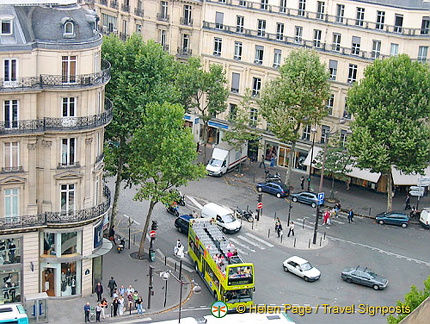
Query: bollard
point(282, 235)
point(268, 233)
point(309, 244)
point(175, 266)
point(252, 225)
point(295, 242)
point(320, 241)
point(370, 211)
point(111, 310)
point(129, 306)
point(134, 239)
point(303, 226)
point(165, 260)
point(324, 236)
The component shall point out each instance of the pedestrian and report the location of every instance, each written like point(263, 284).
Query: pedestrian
point(277, 224)
point(104, 304)
point(326, 217)
point(99, 291)
point(98, 312)
point(112, 234)
point(112, 285)
point(262, 162)
point(337, 208)
point(272, 159)
point(121, 291)
point(121, 305)
point(139, 305)
point(302, 182)
point(87, 309)
point(115, 304)
point(130, 290)
point(348, 183)
point(350, 215)
point(291, 230)
point(408, 202)
point(135, 297)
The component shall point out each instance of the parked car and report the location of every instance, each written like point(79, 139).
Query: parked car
point(393, 218)
point(278, 189)
point(364, 276)
point(301, 268)
point(182, 223)
point(306, 197)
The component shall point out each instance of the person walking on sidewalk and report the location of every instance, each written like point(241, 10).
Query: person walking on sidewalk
point(121, 302)
point(104, 305)
point(87, 309)
point(302, 182)
point(99, 291)
point(98, 312)
point(408, 202)
point(291, 230)
point(112, 286)
point(115, 304)
point(350, 215)
point(139, 305)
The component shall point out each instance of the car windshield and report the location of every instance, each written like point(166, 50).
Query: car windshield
point(306, 266)
point(228, 218)
point(215, 163)
point(372, 274)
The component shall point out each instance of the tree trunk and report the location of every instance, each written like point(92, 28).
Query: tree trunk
point(290, 164)
point(118, 181)
point(205, 140)
point(140, 253)
point(389, 191)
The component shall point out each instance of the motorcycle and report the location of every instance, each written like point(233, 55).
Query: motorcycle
point(173, 210)
point(120, 246)
point(181, 198)
point(276, 177)
point(244, 214)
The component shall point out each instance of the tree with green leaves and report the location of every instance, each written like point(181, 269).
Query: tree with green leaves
point(203, 92)
point(296, 98)
point(163, 157)
point(391, 107)
point(413, 299)
point(337, 161)
point(141, 73)
point(243, 127)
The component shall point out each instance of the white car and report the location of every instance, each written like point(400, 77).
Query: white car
point(302, 268)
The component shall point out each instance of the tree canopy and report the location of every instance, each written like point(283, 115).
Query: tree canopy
point(391, 107)
point(163, 157)
point(296, 98)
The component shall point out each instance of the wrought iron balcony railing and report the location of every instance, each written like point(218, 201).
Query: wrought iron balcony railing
point(45, 219)
point(13, 169)
point(58, 124)
point(58, 81)
point(138, 12)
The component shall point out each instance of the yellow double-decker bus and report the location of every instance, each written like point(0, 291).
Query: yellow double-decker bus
point(216, 260)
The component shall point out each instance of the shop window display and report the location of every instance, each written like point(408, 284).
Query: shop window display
point(10, 251)
point(11, 288)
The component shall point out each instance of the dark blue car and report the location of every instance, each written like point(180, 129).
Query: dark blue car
point(182, 223)
point(393, 218)
point(278, 189)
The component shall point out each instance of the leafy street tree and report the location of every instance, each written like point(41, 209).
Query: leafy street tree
point(296, 98)
point(141, 73)
point(243, 124)
point(391, 107)
point(412, 300)
point(163, 157)
point(337, 160)
point(204, 92)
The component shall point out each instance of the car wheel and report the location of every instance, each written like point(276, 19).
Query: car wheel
point(348, 280)
point(313, 205)
point(259, 189)
point(285, 269)
point(376, 287)
point(224, 230)
point(305, 278)
point(404, 225)
point(381, 222)
point(278, 195)
point(294, 199)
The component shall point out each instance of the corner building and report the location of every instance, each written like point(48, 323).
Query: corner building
point(53, 114)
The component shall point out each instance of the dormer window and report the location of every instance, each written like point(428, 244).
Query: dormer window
point(68, 27)
point(6, 25)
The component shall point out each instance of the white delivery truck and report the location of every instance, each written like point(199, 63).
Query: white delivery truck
point(224, 158)
point(425, 217)
point(224, 217)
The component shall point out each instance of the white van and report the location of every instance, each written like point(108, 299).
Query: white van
point(224, 217)
point(425, 218)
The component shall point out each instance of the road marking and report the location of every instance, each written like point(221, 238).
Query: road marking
point(260, 240)
point(236, 242)
point(132, 219)
point(195, 202)
point(251, 242)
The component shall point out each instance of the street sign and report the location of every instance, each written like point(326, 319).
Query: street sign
point(424, 181)
point(321, 198)
point(416, 193)
point(259, 205)
point(152, 234)
point(415, 188)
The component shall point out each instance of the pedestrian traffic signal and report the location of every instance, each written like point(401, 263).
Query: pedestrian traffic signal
point(154, 225)
point(260, 197)
point(320, 212)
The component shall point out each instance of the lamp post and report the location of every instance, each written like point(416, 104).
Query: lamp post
point(313, 131)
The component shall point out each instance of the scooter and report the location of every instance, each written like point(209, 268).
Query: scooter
point(181, 198)
point(172, 210)
point(121, 245)
point(244, 214)
point(273, 177)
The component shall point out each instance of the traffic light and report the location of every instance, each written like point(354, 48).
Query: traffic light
point(260, 197)
point(320, 213)
point(154, 225)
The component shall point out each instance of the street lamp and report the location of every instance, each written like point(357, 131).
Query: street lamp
point(313, 131)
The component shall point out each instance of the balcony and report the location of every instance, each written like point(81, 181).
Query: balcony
point(162, 17)
point(59, 124)
point(13, 169)
point(57, 218)
point(114, 4)
point(186, 21)
point(138, 12)
point(125, 8)
point(184, 52)
point(71, 165)
point(104, 2)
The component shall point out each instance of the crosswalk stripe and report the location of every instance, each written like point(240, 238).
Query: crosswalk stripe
point(195, 202)
point(251, 242)
point(236, 242)
point(260, 240)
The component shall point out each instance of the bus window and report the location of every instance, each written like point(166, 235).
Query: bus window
point(239, 275)
point(238, 296)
